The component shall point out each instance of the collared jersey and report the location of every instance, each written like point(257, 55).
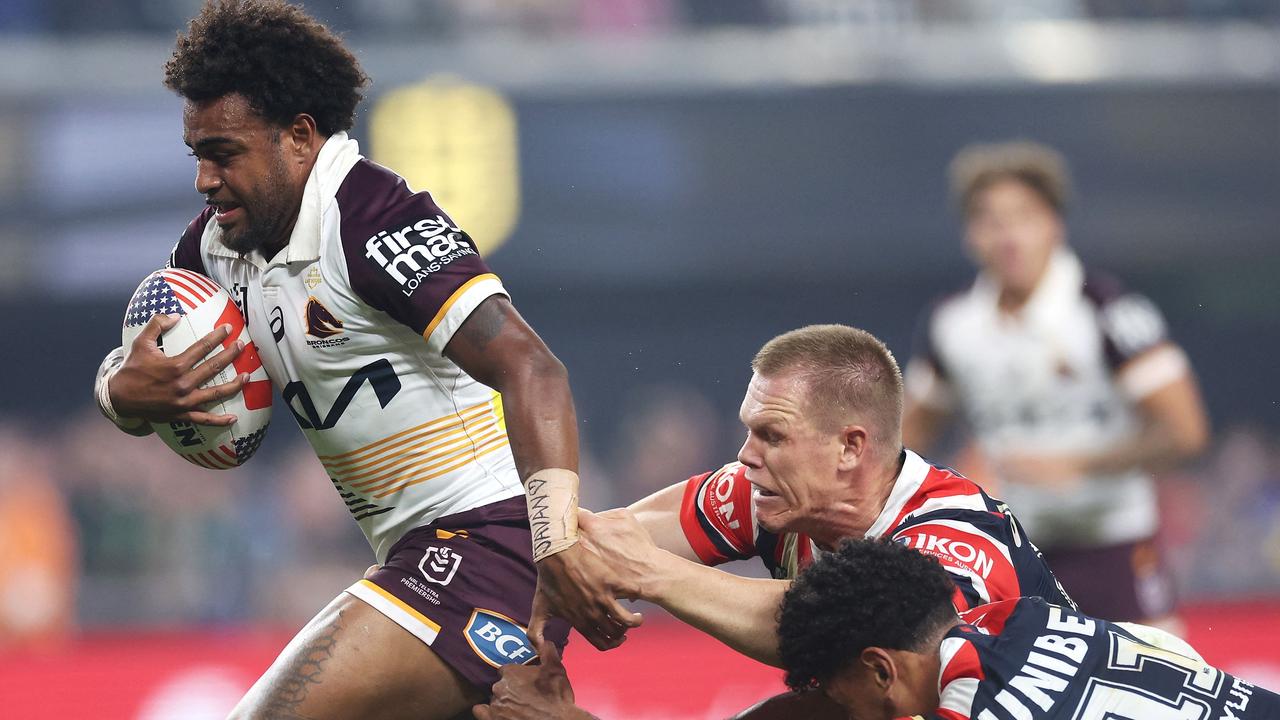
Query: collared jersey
point(932, 509)
point(1026, 659)
point(1060, 376)
point(351, 320)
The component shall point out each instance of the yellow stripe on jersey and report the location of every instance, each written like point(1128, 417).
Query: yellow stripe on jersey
point(496, 443)
point(444, 309)
point(402, 605)
point(382, 461)
point(388, 476)
point(453, 420)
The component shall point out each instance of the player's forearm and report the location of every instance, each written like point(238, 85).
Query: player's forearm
point(1155, 448)
point(740, 612)
point(540, 417)
point(1175, 429)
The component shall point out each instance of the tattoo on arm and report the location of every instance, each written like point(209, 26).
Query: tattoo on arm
point(289, 692)
point(484, 323)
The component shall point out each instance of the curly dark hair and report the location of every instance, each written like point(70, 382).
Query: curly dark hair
point(280, 59)
point(869, 593)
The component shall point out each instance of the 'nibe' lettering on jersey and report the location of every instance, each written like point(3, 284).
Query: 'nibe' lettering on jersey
point(412, 253)
point(1046, 675)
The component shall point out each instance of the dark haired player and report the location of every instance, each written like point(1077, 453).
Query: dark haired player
point(425, 395)
point(872, 627)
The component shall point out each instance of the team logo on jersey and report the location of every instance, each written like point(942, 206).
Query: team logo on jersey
point(439, 564)
point(323, 325)
point(498, 639)
point(313, 279)
point(411, 254)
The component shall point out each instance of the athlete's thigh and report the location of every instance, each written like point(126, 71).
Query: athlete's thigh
point(351, 661)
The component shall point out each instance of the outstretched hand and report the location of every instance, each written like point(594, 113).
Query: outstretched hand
point(155, 387)
point(575, 584)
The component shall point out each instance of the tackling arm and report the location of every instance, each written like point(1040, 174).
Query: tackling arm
point(659, 515)
point(740, 612)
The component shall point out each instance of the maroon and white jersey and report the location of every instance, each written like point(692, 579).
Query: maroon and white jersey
point(932, 509)
point(1025, 659)
point(1060, 376)
point(351, 320)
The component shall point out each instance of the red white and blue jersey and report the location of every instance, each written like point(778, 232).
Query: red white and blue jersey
point(1026, 659)
point(932, 509)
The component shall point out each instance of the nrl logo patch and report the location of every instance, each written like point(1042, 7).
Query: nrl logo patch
point(439, 564)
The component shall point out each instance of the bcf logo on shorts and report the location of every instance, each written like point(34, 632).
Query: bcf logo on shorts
point(439, 564)
point(498, 639)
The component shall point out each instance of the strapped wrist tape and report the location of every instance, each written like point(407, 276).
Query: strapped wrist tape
point(552, 495)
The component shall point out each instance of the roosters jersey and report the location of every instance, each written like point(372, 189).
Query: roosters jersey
point(351, 320)
point(1061, 376)
point(1029, 660)
point(931, 509)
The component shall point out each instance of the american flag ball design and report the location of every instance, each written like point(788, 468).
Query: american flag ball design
point(167, 292)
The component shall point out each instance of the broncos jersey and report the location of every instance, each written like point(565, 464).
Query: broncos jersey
point(1026, 659)
point(932, 509)
point(351, 320)
point(1061, 376)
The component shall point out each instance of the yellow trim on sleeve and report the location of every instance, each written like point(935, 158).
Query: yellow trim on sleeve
point(402, 605)
point(444, 309)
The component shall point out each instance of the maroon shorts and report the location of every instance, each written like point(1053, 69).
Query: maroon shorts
point(1122, 583)
point(464, 585)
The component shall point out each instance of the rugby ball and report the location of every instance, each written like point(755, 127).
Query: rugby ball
point(202, 306)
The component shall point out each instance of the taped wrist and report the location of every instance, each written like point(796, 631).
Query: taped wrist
point(552, 495)
point(102, 393)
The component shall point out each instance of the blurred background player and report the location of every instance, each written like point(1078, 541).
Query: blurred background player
point(1068, 383)
point(432, 469)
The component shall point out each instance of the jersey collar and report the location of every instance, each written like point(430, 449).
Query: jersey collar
point(1062, 280)
point(905, 486)
point(336, 158)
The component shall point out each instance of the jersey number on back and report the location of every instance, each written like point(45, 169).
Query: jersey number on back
point(1105, 700)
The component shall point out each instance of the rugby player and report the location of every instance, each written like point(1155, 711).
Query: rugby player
point(823, 461)
point(871, 625)
point(1068, 382)
point(423, 392)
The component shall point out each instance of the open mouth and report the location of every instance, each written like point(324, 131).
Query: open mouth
point(226, 212)
point(762, 492)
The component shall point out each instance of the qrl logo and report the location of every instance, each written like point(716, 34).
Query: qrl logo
point(498, 639)
point(439, 564)
point(408, 261)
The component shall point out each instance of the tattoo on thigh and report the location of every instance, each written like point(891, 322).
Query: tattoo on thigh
point(289, 691)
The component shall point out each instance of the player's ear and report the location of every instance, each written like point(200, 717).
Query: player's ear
point(853, 445)
point(299, 136)
point(880, 670)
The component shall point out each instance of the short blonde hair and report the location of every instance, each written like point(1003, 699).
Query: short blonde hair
point(1039, 167)
point(848, 373)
